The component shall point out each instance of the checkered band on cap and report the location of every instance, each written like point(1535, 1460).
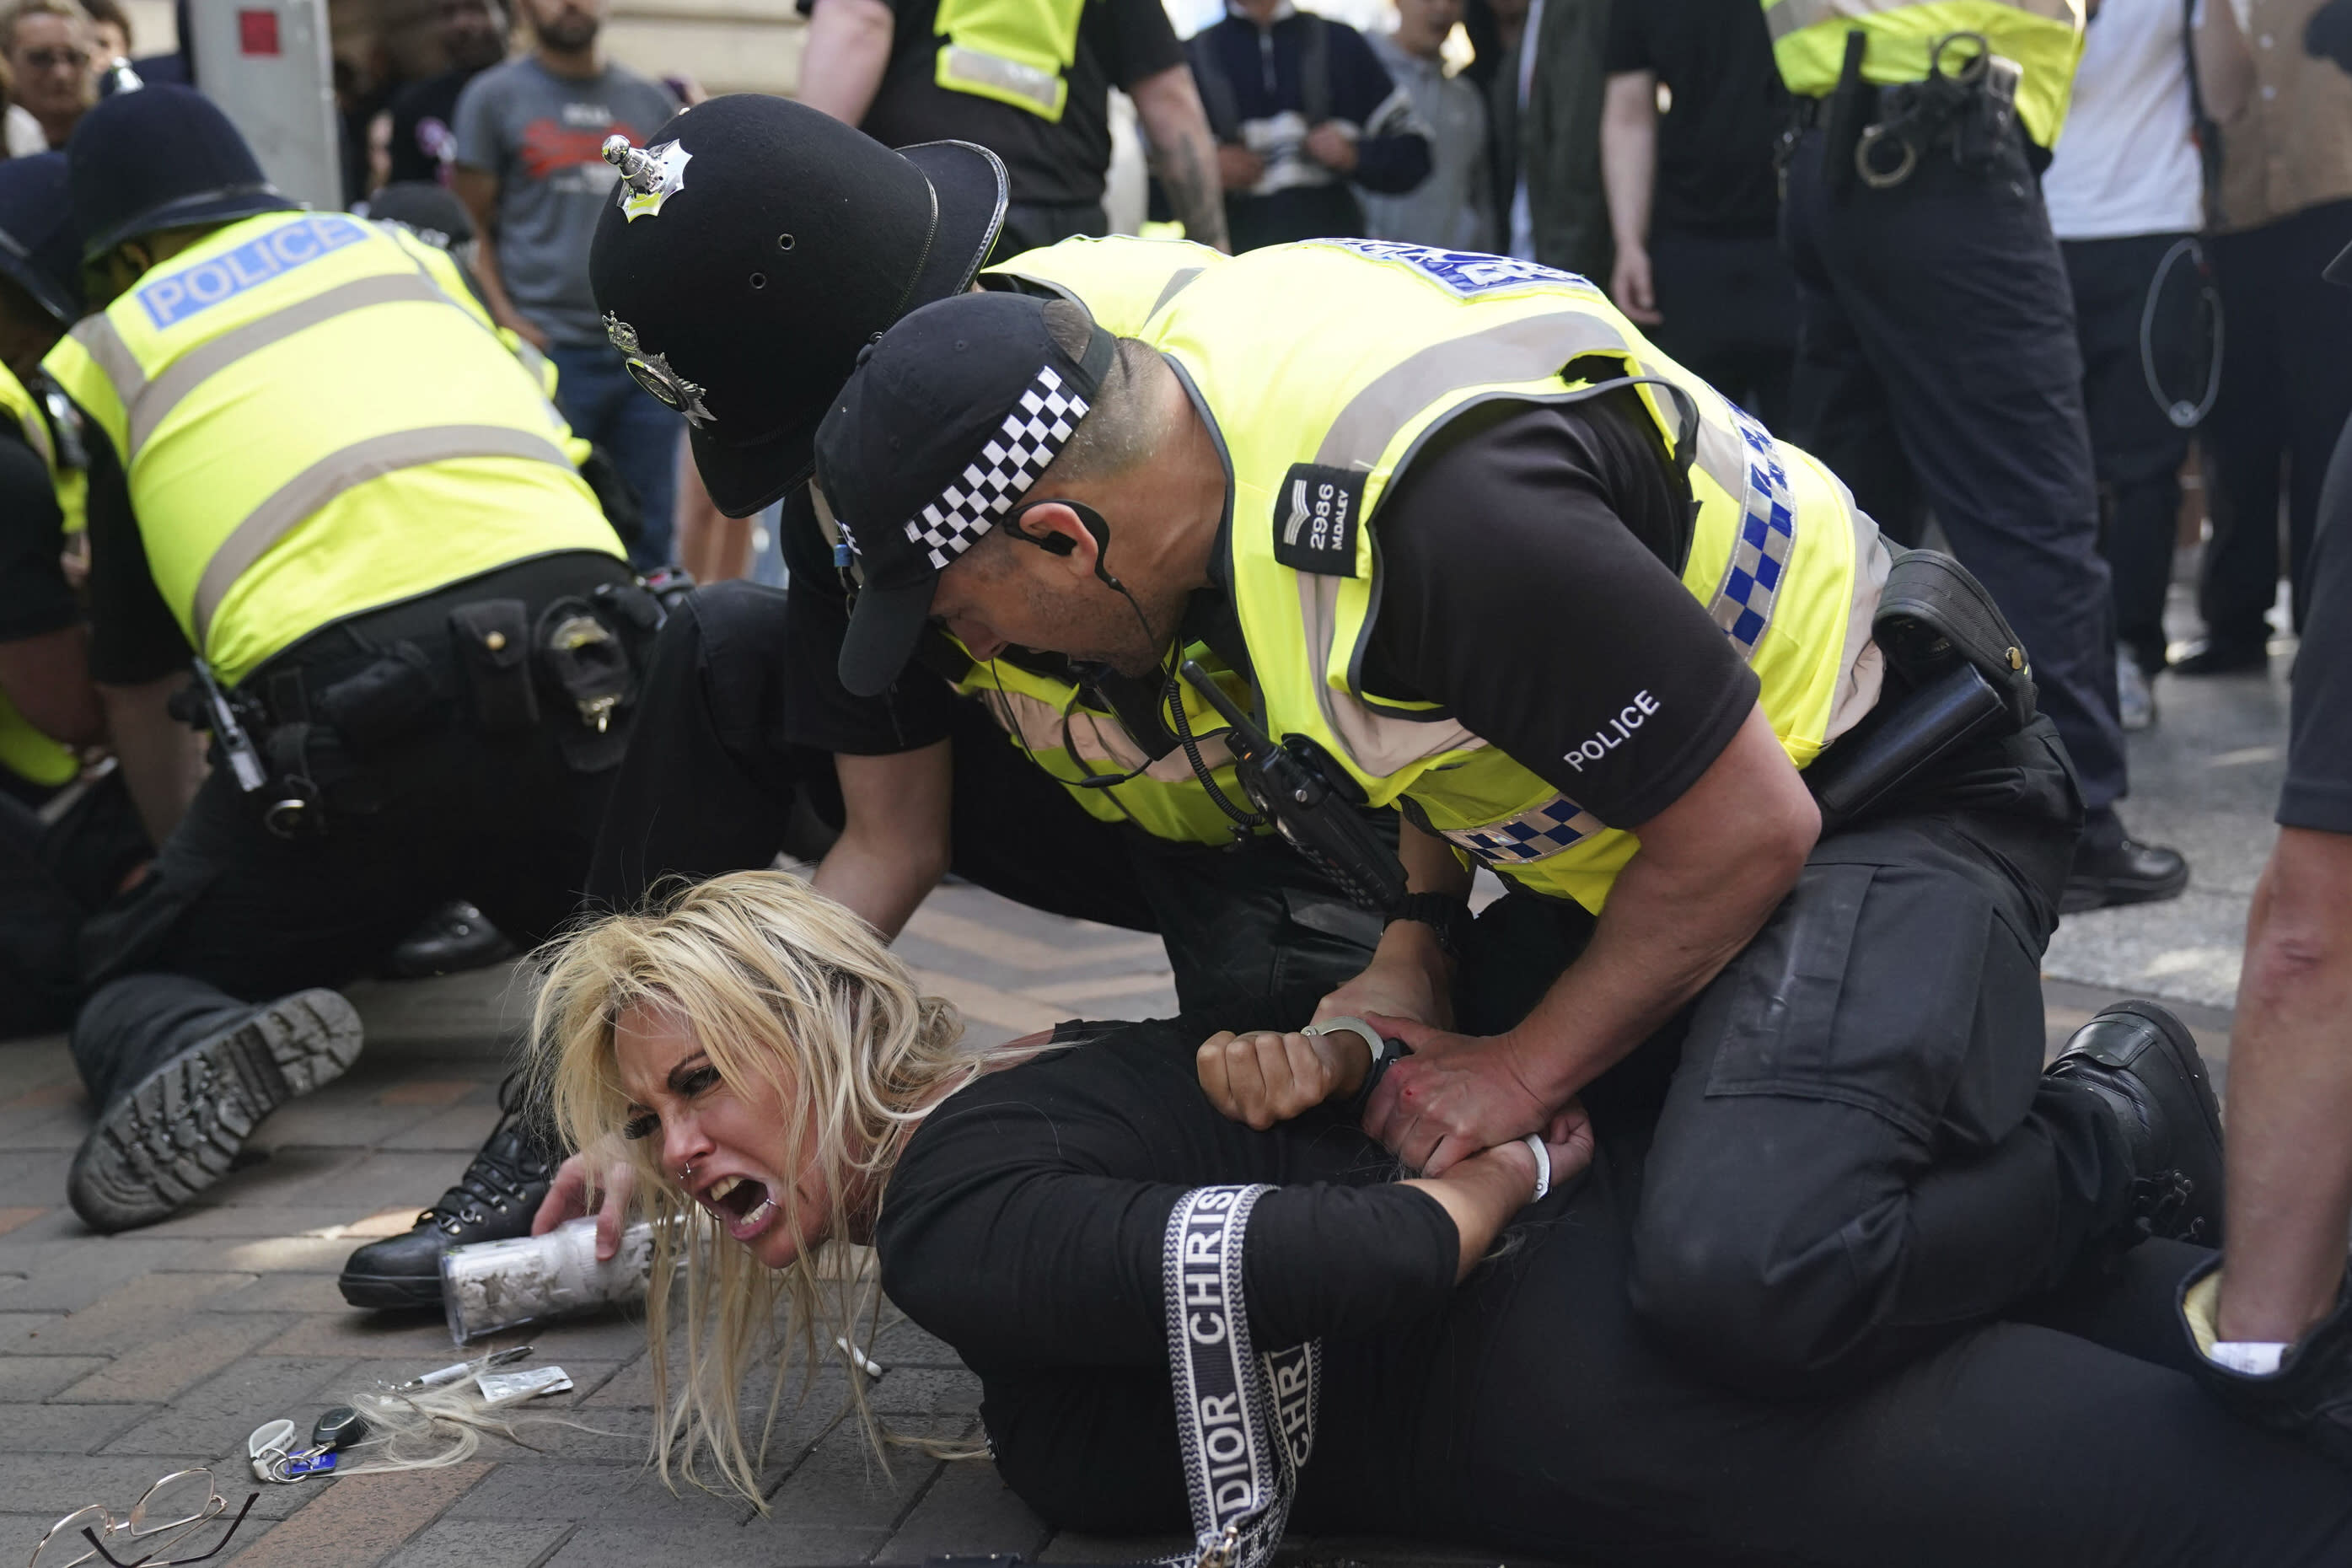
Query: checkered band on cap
point(1533, 834)
point(1767, 534)
point(1039, 427)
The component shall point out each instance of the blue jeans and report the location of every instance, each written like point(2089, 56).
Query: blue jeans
point(605, 405)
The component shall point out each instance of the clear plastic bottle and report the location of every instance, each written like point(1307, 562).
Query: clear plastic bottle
point(495, 1285)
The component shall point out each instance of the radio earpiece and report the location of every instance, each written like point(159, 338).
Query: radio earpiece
point(1062, 544)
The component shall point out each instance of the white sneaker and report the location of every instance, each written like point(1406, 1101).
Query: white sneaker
point(2135, 704)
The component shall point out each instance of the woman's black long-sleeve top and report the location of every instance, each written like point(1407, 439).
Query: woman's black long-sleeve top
point(1024, 1226)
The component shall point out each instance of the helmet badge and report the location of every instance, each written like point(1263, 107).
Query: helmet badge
point(653, 373)
point(650, 175)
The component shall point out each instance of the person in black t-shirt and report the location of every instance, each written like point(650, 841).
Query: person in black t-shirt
point(1694, 200)
point(416, 133)
point(2278, 1330)
point(878, 64)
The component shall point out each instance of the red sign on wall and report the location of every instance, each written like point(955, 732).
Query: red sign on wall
point(257, 32)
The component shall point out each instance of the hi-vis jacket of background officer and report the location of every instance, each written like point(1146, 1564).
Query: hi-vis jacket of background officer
point(1014, 51)
point(24, 749)
point(1323, 366)
point(2045, 36)
point(1121, 283)
point(315, 418)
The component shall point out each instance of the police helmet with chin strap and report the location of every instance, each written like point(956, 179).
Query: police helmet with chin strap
point(161, 157)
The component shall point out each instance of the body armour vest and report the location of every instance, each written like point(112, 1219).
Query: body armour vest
point(315, 418)
point(1322, 367)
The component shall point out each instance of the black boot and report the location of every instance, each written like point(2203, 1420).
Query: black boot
point(2310, 1394)
point(170, 1130)
point(494, 1200)
point(2112, 867)
point(2143, 1065)
point(454, 938)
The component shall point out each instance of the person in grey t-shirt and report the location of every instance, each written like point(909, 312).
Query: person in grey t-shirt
point(1451, 208)
point(530, 168)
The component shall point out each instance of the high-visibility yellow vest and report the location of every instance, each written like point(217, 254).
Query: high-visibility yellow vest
point(315, 418)
point(1053, 720)
point(2045, 36)
point(24, 750)
point(1013, 51)
point(1324, 365)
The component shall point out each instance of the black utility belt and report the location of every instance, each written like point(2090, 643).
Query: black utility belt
point(1966, 105)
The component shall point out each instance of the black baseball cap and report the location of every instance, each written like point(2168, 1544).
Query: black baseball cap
point(947, 423)
point(774, 243)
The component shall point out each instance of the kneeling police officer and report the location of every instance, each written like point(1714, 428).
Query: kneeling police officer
point(321, 483)
point(1490, 558)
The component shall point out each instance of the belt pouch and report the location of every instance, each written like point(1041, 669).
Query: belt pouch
point(1842, 127)
point(492, 638)
point(588, 665)
point(1933, 614)
point(384, 703)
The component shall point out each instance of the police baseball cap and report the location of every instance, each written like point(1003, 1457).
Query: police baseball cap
point(40, 251)
point(947, 423)
point(754, 247)
point(161, 157)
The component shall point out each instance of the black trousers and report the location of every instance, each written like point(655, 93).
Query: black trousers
point(1936, 367)
point(502, 819)
point(2135, 448)
point(2286, 390)
point(1729, 310)
point(1854, 1153)
point(60, 860)
point(1255, 935)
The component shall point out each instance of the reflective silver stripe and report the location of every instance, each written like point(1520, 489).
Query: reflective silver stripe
point(112, 355)
point(183, 375)
point(1525, 349)
point(1787, 17)
point(36, 435)
point(1178, 282)
point(1039, 726)
point(1534, 833)
point(1022, 80)
point(345, 470)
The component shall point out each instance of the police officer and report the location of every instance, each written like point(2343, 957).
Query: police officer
point(1937, 360)
point(1584, 625)
point(66, 840)
point(322, 482)
point(743, 287)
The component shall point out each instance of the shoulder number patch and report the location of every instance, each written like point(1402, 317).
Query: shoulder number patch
point(1314, 520)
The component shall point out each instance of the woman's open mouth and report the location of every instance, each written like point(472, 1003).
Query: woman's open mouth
point(741, 1204)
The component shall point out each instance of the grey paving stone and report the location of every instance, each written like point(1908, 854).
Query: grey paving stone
point(72, 1277)
point(459, 1130)
point(200, 1346)
point(27, 1377)
point(481, 1543)
point(969, 1509)
point(763, 1544)
point(903, 1344)
point(843, 1483)
point(211, 1421)
point(922, 1391)
point(64, 1428)
point(622, 1495)
point(57, 1484)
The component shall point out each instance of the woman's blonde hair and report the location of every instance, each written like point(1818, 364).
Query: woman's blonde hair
point(780, 987)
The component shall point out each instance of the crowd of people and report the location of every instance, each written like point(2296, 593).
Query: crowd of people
point(1825, 411)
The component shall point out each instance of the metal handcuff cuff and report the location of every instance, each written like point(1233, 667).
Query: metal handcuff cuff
point(1983, 85)
point(1387, 1053)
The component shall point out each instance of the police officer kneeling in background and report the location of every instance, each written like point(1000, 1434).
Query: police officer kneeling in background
point(743, 284)
point(1607, 620)
point(315, 469)
point(69, 837)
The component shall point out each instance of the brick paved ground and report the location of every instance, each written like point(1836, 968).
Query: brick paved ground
point(121, 1358)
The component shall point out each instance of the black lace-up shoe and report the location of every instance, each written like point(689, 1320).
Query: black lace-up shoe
point(2142, 1063)
point(2310, 1394)
point(454, 938)
point(494, 1200)
point(178, 1130)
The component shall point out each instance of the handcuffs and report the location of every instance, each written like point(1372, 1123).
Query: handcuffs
point(1386, 1053)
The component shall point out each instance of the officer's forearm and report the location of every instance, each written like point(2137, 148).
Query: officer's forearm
point(162, 760)
point(2290, 1178)
point(1183, 152)
point(894, 846)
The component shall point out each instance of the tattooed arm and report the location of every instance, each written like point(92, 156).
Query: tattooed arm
point(1183, 154)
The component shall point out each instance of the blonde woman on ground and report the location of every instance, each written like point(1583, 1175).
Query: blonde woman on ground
point(769, 1077)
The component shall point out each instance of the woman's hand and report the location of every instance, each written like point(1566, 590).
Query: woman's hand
point(601, 1179)
point(1484, 1192)
point(1266, 1076)
point(1454, 1096)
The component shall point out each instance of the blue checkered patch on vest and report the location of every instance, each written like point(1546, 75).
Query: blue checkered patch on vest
point(1768, 533)
point(1535, 833)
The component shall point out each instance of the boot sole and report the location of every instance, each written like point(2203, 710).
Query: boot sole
point(180, 1128)
point(390, 1293)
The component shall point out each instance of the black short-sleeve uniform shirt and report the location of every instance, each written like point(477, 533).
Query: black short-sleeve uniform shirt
point(1530, 586)
point(1716, 144)
point(2319, 791)
point(34, 598)
point(1120, 42)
